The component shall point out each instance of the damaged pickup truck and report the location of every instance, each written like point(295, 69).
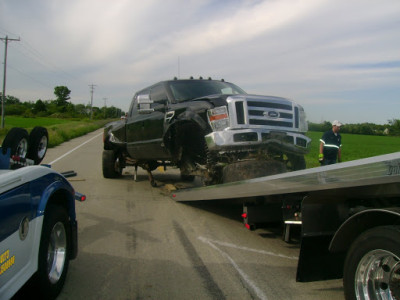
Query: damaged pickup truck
point(208, 128)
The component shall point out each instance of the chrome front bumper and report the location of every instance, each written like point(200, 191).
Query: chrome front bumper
point(248, 139)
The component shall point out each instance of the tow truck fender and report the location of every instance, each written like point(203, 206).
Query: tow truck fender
point(361, 222)
point(60, 192)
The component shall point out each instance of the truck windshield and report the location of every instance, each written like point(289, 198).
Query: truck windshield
point(184, 90)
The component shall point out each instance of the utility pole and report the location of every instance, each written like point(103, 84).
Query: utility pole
point(6, 39)
point(105, 107)
point(91, 100)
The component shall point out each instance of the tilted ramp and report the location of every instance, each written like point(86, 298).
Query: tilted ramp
point(369, 171)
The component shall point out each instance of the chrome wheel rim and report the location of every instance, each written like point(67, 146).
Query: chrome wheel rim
point(378, 276)
point(42, 147)
point(57, 252)
point(22, 148)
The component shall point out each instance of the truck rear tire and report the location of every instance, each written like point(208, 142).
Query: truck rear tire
point(112, 167)
point(372, 265)
point(53, 252)
point(249, 169)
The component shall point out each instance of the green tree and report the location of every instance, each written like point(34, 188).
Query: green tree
point(62, 93)
point(394, 127)
point(12, 100)
point(39, 106)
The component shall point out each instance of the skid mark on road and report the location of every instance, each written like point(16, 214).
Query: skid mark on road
point(76, 148)
point(213, 244)
point(259, 293)
point(225, 244)
point(210, 285)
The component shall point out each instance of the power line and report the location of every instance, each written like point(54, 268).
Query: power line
point(6, 39)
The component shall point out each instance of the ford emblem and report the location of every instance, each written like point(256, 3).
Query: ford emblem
point(271, 114)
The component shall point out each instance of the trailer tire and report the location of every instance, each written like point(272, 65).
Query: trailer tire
point(53, 252)
point(112, 164)
point(38, 141)
point(372, 265)
point(249, 169)
point(17, 140)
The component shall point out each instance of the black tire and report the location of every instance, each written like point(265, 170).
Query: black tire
point(38, 142)
point(112, 167)
point(17, 140)
point(373, 265)
point(53, 252)
point(249, 169)
point(296, 162)
point(187, 178)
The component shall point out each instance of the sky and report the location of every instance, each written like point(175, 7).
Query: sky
point(339, 59)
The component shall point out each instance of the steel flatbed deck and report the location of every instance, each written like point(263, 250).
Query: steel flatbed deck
point(363, 172)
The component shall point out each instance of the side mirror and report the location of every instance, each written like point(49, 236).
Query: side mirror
point(144, 103)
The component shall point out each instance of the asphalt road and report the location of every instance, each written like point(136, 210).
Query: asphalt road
point(135, 242)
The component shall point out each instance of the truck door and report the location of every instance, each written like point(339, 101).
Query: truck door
point(145, 125)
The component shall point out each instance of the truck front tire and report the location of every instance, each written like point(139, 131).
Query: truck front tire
point(112, 165)
point(296, 162)
point(372, 266)
point(249, 169)
point(53, 252)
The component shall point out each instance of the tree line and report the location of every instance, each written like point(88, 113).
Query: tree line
point(59, 107)
point(392, 128)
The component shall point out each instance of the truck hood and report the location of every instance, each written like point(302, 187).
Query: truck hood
point(216, 100)
point(220, 100)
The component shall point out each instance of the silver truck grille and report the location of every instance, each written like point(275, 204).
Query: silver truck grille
point(265, 113)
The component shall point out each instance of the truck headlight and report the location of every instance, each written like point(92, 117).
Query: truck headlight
point(218, 118)
point(303, 125)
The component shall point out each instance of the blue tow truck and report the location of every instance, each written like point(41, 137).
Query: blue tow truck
point(38, 226)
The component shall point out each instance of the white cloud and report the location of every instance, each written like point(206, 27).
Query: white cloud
point(307, 50)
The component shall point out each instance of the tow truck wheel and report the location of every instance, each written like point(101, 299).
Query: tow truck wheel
point(249, 169)
point(372, 266)
point(17, 140)
point(112, 165)
point(38, 141)
point(53, 252)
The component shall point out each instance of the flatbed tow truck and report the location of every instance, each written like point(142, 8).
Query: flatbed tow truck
point(349, 215)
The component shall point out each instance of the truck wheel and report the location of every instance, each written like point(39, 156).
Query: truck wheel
point(187, 178)
point(17, 140)
point(38, 141)
point(296, 162)
point(249, 169)
point(112, 167)
point(53, 252)
point(372, 266)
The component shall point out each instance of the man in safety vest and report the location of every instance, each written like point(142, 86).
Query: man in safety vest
point(330, 146)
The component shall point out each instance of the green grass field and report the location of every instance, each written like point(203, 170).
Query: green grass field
point(354, 146)
point(60, 130)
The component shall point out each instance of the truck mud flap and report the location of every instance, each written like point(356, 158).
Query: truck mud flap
point(322, 214)
point(316, 262)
